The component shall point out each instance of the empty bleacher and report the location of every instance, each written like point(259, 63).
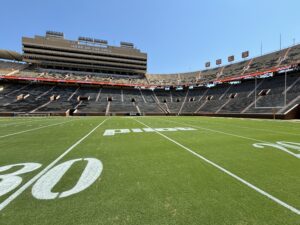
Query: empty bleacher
point(193, 93)
point(221, 99)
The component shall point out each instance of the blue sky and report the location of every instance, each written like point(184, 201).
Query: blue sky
point(178, 36)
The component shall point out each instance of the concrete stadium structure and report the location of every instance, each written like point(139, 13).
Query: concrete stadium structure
point(56, 76)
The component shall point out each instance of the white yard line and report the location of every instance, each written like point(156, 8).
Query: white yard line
point(294, 121)
point(35, 178)
point(11, 124)
point(264, 120)
point(229, 134)
point(285, 122)
point(33, 129)
point(253, 128)
point(293, 209)
point(11, 118)
point(260, 129)
point(27, 121)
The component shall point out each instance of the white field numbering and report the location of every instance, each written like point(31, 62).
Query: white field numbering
point(42, 189)
point(284, 146)
point(112, 132)
point(41, 185)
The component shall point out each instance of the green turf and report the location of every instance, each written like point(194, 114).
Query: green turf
point(148, 179)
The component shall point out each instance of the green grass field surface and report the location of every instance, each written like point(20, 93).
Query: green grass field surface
point(159, 177)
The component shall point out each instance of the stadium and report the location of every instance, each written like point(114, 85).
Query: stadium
point(85, 77)
point(90, 136)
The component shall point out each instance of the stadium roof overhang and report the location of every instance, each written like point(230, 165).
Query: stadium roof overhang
point(10, 55)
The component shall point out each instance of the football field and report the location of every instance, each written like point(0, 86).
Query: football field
point(149, 170)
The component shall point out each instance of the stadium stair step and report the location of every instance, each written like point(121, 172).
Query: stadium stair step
point(107, 108)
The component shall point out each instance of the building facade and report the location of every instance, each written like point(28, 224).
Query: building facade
point(53, 51)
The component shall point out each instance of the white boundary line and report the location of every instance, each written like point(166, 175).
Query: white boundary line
point(293, 209)
point(11, 124)
point(27, 121)
point(229, 134)
point(36, 177)
point(33, 129)
point(253, 128)
point(260, 129)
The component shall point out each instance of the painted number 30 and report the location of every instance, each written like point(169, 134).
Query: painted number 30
point(42, 189)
